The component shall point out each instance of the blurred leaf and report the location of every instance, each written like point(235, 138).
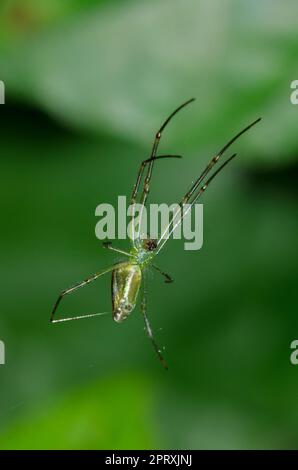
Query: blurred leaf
point(96, 417)
point(227, 321)
point(21, 18)
point(124, 69)
point(229, 318)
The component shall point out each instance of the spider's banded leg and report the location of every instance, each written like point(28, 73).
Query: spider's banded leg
point(77, 286)
point(214, 161)
point(167, 277)
point(138, 182)
point(148, 327)
point(109, 246)
point(79, 317)
point(146, 187)
point(199, 180)
point(141, 171)
point(154, 150)
point(201, 190)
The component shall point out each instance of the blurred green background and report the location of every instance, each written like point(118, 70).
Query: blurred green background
point(87, 85)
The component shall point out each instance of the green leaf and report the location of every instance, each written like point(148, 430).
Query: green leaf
point(123, 68)
point(107, 414)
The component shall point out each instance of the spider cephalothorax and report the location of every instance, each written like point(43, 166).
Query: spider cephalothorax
point(150, 244)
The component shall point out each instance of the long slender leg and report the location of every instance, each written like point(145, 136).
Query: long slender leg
point(77, 286)
point(141, 171)
point(138, 182)
point(148, 327)
point(146, 187)
point(199, 180)
point(109, 246)
point(167, 276)
point(79, 317)
point(214, 161)
point(201, 190)
point(154, 150)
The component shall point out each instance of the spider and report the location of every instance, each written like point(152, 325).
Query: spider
point(129, 276)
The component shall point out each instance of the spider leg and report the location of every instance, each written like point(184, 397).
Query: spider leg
point(167, 276)
point(139, 179)
point(109, 246)
point(214, 161)
point(74, 288)
point(141, 171)
point(146, 187)
point(149, 329)
point(196, 190)
point(79, 317)
point(200, 191)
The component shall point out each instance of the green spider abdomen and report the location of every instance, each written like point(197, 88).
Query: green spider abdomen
point(126, 282)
